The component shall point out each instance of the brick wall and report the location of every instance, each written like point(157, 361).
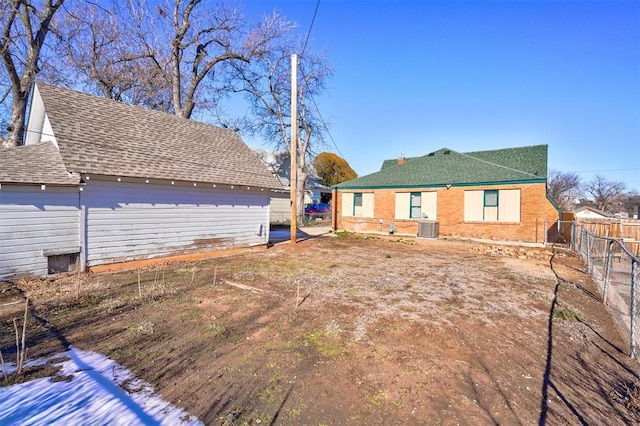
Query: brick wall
point(535, 209)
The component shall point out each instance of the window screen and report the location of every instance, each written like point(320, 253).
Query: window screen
point(416, 205)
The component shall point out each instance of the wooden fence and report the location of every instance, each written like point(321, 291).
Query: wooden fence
point(627, 230)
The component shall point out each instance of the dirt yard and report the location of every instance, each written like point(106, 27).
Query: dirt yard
point(352, 330)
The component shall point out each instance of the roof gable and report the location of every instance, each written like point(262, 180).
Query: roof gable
point(587, 211)
point(279, 162)
point(448, 167)
point(101, 136)
point(35, 164)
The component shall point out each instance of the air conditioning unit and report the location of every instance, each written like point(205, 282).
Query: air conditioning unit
point(428, 229)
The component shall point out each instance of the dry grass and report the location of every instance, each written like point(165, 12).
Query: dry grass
point(351, 330)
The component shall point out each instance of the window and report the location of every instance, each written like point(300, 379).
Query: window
point(491, 198)
point(357, 204)
point(59, 263)
point(416, 205)
point(490, 213)
point(492, 205)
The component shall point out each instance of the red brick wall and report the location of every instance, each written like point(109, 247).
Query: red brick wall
point(535, 209)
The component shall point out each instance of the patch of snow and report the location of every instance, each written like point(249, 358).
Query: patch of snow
point(98, 391)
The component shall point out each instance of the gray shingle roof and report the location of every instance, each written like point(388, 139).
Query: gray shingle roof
point(101, 136)
point(38, 163)
point(448, 167)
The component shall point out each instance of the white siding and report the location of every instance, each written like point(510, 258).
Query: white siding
point(347, 204)
point(33, 221)
point(509, 205)
point(490, 214)
point(430, 205)
point(473, 206)
point(367, 204)
point(349, 209)
point(38, 128)
point(403, 204)
point(127, 221)
point(280, 209)
point(508, 209)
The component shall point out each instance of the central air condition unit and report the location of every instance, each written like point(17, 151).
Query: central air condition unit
point(428, 229)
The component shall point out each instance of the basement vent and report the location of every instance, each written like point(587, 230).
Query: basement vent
point(428, 229)
point(61, 263)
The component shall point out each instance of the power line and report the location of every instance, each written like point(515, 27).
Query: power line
point(310, 28)
point(324, 124)
point(609, 170)
point(326, 127)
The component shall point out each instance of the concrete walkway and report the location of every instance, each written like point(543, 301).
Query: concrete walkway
point(303, 233)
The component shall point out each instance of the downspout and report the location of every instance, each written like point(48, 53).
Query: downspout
point(546, 192)
point(83, 226)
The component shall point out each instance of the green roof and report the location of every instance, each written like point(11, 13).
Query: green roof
point(448, 167)
point(394, 162)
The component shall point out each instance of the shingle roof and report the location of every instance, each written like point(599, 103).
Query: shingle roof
point(592, 209)
point(101, 136)
point(38, 163)
point(394, 162)
point(448, 167)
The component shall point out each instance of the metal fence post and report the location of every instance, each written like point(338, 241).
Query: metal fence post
point(588, 254)
point(634, 305)
point(582, 233)
point(573, 235)
point(607, 271)
point(617, 285)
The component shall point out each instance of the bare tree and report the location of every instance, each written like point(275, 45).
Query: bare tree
point(192, 42)
point(25, 26)
point(604, 194)
point(172, 55)
point(266, 82)
point(564, 188)
point(99, 52)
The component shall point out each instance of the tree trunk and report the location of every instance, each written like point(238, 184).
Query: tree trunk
point(31, 37)
point(18, 119)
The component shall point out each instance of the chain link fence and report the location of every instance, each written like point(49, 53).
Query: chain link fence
point(614, 267)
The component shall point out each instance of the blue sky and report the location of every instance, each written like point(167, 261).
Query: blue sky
point(416, 76)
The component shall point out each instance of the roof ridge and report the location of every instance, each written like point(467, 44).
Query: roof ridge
point(511, 148)
point(123, 105)
point(97, 135)
point(496, 164)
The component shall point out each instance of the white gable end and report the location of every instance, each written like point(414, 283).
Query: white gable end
point(39, 128)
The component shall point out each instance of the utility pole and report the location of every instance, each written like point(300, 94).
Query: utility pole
point(293, 173)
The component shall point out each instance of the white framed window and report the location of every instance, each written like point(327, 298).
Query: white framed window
point(357, 204)
point(492, 205)
point(416, 205)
